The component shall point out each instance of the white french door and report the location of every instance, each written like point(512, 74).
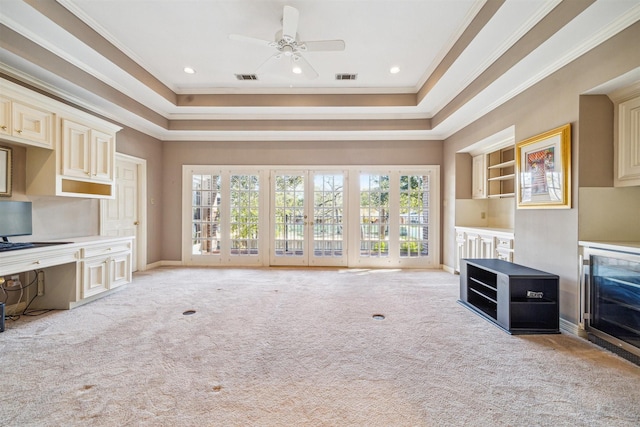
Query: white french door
point(308, 218)
point(334, 216)
point(398, 218)
point(224, 223)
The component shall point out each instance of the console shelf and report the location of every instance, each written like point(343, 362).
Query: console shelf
point(518, 299)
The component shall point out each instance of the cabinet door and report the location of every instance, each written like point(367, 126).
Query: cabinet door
point(120, 270)
point(102, 155)
point(95, 276)
point(5, 116)
point(32, 124)
point(487, 247)
point(473, 246)
point(479, 177)
point(461, 252)
point(76, 150)
point(461, 249)
point(628, 144)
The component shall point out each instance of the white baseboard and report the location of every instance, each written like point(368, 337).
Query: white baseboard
point(448, 269)
point(158, 264)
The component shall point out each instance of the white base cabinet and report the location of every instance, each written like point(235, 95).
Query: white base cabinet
point(75, 272)
point(472, 242)
point(105, 267)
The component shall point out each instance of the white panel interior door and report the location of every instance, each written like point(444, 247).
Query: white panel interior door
point(119, 216)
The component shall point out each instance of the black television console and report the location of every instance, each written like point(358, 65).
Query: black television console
point(518, 299)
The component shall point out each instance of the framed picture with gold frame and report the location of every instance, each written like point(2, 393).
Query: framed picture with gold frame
point(543, 170)
point(5, 171)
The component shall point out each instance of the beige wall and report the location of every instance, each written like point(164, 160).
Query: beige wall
point(301, 153)
point(546, 239)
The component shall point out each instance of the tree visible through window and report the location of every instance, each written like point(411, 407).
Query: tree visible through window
point(244, 207)
point(205, 206)
point(414, 216)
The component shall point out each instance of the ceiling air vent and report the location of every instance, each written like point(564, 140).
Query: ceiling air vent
point(246, 77)
point(346, 76)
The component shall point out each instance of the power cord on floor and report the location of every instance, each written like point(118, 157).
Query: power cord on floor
point(13, 316)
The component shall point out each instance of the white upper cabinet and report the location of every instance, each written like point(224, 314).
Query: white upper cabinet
point(25, 123)
point(78, 159)
point(627, 146)
point(479, 177)
point(87, 153)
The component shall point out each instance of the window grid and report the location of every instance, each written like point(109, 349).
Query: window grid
point(374, 215)
point(289, 215)
point(244, 194)
point(414, 216)
point(328, 214)
point(205, 209)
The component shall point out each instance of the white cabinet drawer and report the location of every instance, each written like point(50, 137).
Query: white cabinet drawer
point(105, 249)
point(27, 261)
point(503, 242)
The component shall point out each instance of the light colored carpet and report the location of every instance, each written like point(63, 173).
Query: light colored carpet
point(299, 347)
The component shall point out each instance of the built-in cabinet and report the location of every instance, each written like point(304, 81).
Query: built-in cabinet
point(105, 267)
point(24, 123)
point(479, 177)
point(69, 152)
point(74, 272)
point(87, 153)
point(493, 173)
point(483, 243)
point(627, 144)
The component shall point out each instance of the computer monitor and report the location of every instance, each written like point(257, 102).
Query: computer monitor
point(15, 219)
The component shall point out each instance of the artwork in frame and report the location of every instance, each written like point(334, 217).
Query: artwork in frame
point(543, 170)
point(5, 171)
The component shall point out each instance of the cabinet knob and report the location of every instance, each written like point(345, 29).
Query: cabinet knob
point(136, 223)
point(3, 127)
point(88, 173)
point(19, 130)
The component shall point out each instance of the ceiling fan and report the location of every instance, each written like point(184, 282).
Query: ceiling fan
point(289, 47)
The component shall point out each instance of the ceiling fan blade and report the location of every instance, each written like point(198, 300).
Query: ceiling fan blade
point(251, 40)
point(268, 62)
point(323, 45)
point(290, 22)
point(305, 67)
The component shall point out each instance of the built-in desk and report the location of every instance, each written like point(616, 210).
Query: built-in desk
point(75, 271)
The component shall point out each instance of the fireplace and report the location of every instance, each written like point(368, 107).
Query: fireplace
point(612, 298)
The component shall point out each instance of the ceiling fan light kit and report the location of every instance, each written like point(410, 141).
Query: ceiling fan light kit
point(288, 45)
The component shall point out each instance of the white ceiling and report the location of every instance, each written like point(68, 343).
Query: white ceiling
point(164, 36)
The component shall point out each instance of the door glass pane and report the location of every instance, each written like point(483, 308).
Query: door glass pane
point(414, 216)
point(205, 207)
point(244, 196)
point(374, 215)
point(289, 218)
point(328, 209)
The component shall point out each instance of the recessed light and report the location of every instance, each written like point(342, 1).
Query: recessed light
point(189, 70)
point(297, 70)
point(394, 70)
